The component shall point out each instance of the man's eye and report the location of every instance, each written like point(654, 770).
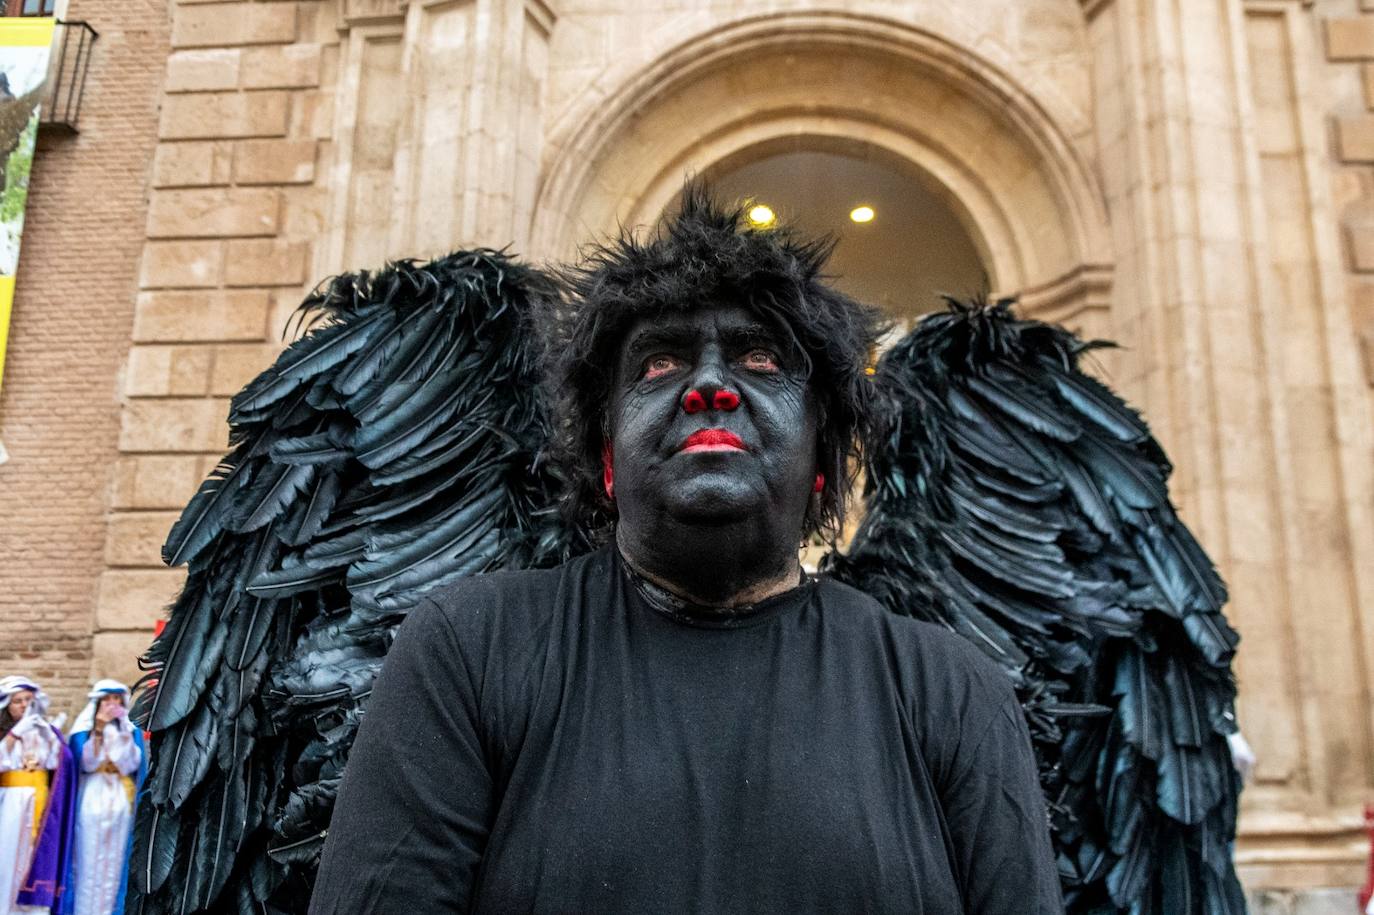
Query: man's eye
point(761, 360)
point(658, 365)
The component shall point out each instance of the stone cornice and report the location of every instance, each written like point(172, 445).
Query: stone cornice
point(1086, 287)
point(360, 12)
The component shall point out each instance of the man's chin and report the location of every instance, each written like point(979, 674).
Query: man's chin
point(710, 504)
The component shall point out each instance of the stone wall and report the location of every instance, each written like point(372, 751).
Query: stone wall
point(73, 311)
point(230, 212)
point(1311, 901)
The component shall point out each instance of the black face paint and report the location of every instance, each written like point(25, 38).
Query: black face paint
point(713, 434)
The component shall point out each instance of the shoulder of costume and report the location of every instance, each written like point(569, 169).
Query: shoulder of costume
point(828, 588)
point(927, 637)
point(510, 588)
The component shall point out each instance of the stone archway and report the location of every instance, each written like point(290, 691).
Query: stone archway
point(1027, 193)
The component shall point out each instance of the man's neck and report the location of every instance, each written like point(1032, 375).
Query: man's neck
point(711, 567)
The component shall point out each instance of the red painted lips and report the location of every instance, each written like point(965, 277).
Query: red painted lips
point(713, 440)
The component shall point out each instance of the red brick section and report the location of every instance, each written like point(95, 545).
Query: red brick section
point(72, 322)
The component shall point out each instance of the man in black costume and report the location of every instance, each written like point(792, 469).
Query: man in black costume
point(682, 721)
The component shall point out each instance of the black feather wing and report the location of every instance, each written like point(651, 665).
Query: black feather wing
point(1017, 501)
point(395, 446)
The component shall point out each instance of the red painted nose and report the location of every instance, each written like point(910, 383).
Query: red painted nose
point(695, 402)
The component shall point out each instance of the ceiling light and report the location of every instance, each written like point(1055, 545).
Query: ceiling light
point(762, 216)
point(862, 214)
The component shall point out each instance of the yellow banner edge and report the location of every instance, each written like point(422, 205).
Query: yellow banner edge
point(26, 32)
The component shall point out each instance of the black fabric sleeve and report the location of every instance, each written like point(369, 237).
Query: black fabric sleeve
point(416, 802)
point(997, 818)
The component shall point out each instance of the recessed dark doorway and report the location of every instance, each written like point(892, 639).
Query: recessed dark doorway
point(915, 247)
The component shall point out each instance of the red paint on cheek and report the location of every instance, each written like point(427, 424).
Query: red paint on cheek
point(608, 470)
point(819, 484)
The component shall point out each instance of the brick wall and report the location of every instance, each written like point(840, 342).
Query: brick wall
point(69, 335)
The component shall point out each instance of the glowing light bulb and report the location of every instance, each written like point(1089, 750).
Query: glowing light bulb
point(862, 214)
point(762, 216)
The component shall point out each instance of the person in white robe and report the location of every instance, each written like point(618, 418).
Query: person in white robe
point(30, 749)
point(109, 751)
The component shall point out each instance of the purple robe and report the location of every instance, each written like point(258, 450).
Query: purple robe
point(43, 883)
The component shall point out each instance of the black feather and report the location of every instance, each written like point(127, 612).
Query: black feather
point(1020, 503)
point(303, 558)
point(205, 516)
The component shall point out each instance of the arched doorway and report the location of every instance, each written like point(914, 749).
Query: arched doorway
point(985, 155)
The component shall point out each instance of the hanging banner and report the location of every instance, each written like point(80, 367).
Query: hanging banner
point(25, 46)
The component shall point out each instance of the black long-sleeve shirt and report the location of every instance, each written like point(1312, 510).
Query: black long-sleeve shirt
point(565, 741)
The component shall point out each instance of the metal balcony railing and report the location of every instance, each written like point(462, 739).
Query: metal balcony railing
point(71, 61)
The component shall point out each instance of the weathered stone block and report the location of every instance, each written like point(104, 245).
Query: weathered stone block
point(282, 315)
point(239, 314)
point(1361, 290)
point(135, 598)
point(1267, 902)
point(192, 164)
point(135, 538)
point(313, 115)
point(294, 66)
point(237, 365)
point(1360, 243)
point(307, 210)
point(220, 24)
point(116, 654)
point(213, 115)
point(160, 371)
point(157, 480)
point(1326, 901)
point(263, 262)
point(274, 162)
point(1350, 39)
point(1355, 138)
point(181, 264)
point(213, 212)
point(203, 71)
point(177, 425)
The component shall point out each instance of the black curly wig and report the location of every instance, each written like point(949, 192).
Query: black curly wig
point(706, 254)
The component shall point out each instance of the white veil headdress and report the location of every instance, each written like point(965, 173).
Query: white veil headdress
point(102, 688)
point(14, 683)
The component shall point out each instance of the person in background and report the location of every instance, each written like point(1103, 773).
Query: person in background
point(37, 787)
point(109, 751)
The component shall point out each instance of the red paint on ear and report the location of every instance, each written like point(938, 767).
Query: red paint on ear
point(819, 484)
point(725, 400)
point(608, 470)
point(693, 402)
